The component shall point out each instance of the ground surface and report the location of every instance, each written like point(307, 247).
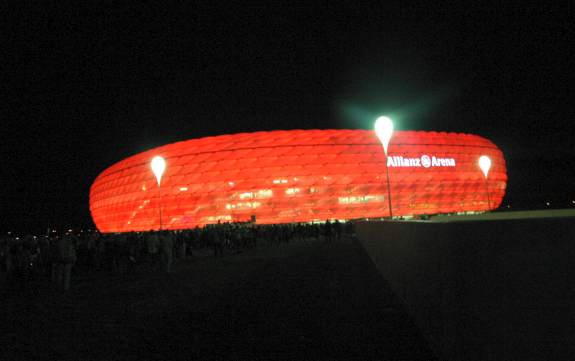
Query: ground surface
point(493, 290)
point(302, 301)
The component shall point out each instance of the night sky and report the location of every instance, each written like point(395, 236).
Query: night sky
point(85, 86)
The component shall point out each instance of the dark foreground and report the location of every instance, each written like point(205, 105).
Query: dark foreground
point(493, 290)
point(302, 301)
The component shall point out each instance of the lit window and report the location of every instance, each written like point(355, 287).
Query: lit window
point(246, 195)
point(183, 189)
point(292, 191)
point(243, 205)
point(361, 199)
point(218, 218)
point(265, 193)
point(262, 193)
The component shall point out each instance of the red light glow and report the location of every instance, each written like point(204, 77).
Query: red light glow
point(297, 176)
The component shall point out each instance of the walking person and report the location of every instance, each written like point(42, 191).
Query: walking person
point(328, 231)
point(152, 242)
point(218, 240)
point(337, 229)
point(66, 258)
point(167, 245)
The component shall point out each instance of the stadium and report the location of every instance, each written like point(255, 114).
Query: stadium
point(298, 176)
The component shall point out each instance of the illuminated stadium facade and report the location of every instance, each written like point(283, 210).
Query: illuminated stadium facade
point(298, 176)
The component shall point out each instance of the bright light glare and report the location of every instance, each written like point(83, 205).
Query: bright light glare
point(484, 164)
point(158, 167)
point(384, 131)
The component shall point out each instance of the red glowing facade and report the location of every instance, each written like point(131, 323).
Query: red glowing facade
point(298, 176)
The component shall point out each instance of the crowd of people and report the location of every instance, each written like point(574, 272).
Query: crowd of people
point(55, 256)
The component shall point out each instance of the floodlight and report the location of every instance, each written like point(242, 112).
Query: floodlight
point(158, 167)
point(484, 164)
point(384, 131)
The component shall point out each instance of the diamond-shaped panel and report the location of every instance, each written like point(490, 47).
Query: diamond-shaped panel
point(298, 176)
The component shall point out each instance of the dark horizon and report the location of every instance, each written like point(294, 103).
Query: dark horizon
point(90, 85)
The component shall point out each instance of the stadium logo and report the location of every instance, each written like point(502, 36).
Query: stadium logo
point(424, 161)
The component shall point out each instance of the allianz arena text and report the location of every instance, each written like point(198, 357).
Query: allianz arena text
point(298, 176)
